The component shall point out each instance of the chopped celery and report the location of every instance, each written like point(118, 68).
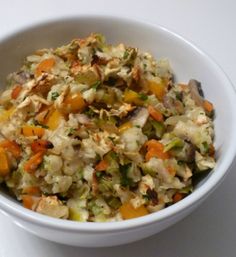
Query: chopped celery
point(186, 190)
point(205, 147)
point(125, 180)
point(105, 184)
point(113, 166)
point(175, 143)
point(159, 128)
point(114, 202)
point(74, 215)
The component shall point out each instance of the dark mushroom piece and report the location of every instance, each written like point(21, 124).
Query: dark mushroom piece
point(140, 117)
point(196, 91)
point(137, 116)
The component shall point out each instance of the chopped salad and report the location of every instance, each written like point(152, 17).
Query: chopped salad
point(91, 131)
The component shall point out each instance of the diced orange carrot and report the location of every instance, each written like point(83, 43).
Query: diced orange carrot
point(171, 170)
point(177, 197)
point(41, 145)
point(54, 120)
point(158, 89)
point(12, 147)
point(154, 144)
point(155, 153)
point(45, 66)
point(32, 164)
point(4, 164)
point(208, 106)
point(16, 91)
point(129, 212)
point(74, 103)
point(30, 202)
point(102, 165)
point(156, 149)
point(155, 114)
point(30, 131)
point(31, 190)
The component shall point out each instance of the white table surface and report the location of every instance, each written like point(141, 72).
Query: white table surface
point(211, 24)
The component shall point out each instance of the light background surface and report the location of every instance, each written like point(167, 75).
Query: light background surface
point(211, 24)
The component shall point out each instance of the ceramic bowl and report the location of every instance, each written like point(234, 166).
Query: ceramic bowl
point(187, 62)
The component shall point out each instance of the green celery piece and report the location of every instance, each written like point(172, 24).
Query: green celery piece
point(176, 142)
point(114, 202)
point(125, 180)
point(159, 128)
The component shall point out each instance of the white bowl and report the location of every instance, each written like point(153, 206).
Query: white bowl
point(187, 62)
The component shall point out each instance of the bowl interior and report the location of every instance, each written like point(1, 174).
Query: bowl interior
point(186, 60)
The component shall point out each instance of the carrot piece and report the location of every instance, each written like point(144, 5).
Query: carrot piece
point(30, 131)
point(16, 91)
point(32, 164)
point(155, 153)
point(31, 190)
point(54, 120)
point(208, 106)
point(129, 212)
point(102, 165)
point(45, 66)
point(41, 145)
point(4, 164)
point(171, 170)
point(74, 102)
point(155, 114)
point(158, 89)
point(12, 147)
point(30, 202)
point(177, 197)
point(154, 144)
point(156, 149)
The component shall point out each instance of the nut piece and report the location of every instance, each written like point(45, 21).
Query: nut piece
point(51, 206)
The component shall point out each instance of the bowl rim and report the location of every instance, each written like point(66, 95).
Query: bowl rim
point(18, 211)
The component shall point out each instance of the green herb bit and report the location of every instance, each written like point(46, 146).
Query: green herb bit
point(205, 147)
point(89, 112)
point(112, 139)
point(114, 202)
point(126, 54)
point(179, 96)
point(54, 95)
point(99, 174)
point(143, 96)
point(125, 180)
point(36, 123)
point(70, 131)
point(96, 84)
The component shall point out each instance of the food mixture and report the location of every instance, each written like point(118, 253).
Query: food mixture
point(97, 132)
